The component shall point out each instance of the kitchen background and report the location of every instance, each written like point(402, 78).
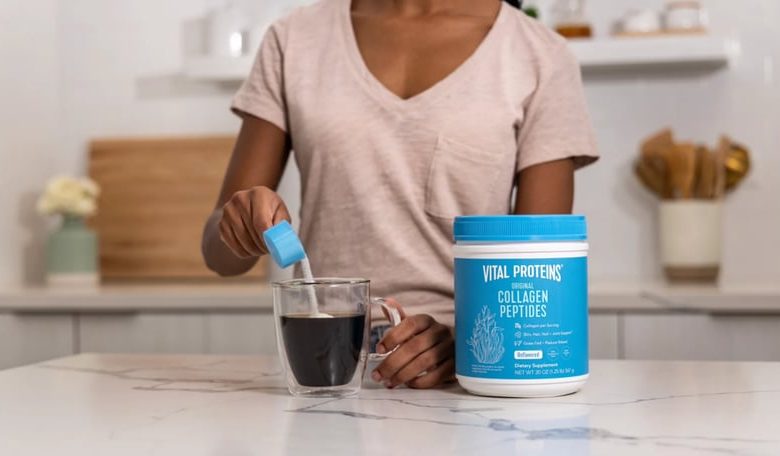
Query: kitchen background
point(77, 70)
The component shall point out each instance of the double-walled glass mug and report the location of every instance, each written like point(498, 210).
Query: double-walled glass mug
point(322, 331)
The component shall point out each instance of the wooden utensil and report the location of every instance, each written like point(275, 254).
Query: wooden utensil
point(650, 175)
point(705, 182)
point(720, 167)
point(681, 162)
point(654, 167)
point(656, 145)
point(658, 163)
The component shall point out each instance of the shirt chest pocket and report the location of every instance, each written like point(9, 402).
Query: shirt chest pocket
point(461, 180)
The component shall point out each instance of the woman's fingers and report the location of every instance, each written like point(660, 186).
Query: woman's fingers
point(229, 238)
point(247, 222)
point(417, 347)
point(236, 225)
point(408, 328)
point(425, 362)
point(280, 213)
point(444, 372)
point(247, 215)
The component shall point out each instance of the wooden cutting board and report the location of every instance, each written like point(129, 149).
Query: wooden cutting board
point(156, 196)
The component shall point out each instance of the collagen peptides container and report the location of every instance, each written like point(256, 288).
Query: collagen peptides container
point(521, 304)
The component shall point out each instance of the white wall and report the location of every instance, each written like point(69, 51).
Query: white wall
point(92, 68)
point(29, 112)
point(743, 102)
point(73, 70)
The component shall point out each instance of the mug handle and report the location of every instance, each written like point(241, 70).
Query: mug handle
point(395, 320)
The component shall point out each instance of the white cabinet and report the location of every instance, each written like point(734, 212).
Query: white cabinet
point(30, 338)
point(179, 332)
point(701, 337)
point(603, 336)
point(143, 333)
point(241, 333)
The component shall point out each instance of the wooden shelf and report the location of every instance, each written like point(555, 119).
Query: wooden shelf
point(608, 53)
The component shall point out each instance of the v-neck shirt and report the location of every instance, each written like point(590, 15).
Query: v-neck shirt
point(385, 95)
point(383, 177)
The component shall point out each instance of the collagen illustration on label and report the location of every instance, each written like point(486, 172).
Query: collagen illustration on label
point(523, 318)
point(487, 339)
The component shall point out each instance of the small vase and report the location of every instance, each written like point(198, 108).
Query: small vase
point(690, 239)
point(72, 254)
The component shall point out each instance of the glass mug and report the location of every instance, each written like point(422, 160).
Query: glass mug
point(323, 347)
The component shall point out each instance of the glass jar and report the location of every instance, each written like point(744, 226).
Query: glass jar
point(570, 20)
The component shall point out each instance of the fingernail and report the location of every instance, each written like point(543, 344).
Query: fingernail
point(380, 349)
point(388, 384)
point(376, 376)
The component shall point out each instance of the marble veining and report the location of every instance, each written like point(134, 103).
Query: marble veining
point(217, 405)
point(571, 433)
point(179, 377)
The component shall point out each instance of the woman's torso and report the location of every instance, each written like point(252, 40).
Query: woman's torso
point(382, 176)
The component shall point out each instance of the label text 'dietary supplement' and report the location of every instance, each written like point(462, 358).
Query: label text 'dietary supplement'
point(521, 304)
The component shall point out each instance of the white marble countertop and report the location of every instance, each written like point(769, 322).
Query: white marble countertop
point(211, 405)
point(244, 297)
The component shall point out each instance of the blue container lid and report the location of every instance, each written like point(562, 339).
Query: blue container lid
point(283, 244)
point(508, 228)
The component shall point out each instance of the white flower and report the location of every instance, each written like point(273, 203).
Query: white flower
point(85, 207)
point(90, 187)
point(71, 196)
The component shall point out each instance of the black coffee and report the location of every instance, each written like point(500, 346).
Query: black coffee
point(323, 351)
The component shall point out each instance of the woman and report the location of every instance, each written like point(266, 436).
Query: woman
point(402, 114)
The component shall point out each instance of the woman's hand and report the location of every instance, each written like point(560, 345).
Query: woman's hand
point(245, 217)
point(425, 357)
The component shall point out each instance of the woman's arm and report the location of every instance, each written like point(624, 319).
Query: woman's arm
point(248, 203)
point(547, 188)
